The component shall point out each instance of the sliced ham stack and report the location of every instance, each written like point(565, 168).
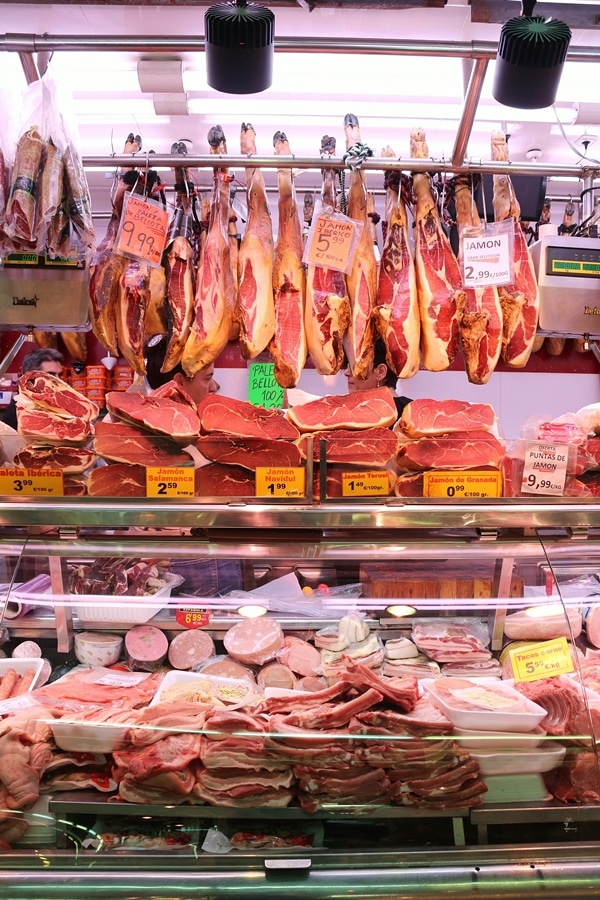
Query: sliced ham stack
point(50, 411)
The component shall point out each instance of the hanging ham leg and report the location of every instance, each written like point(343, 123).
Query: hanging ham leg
point(520, 300)
point(255, 310)
point(439, 282)
point(288, 345)
point(397, 308)
point(327, 305)
point(214, 301)
point(133, 300)
point(180, 299)
point(481, 322)
point(362, 278)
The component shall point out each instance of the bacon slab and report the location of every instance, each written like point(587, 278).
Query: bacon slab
point(288, 344)
point(481, 322)
point(214, 301)
point(255, 310)
point(397, 308)
point(362, 279)
point(520, 300)
point(327, 311)
point(439, 282)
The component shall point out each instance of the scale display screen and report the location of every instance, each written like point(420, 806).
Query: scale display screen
point(577, 261)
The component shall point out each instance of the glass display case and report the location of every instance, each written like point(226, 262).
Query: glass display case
point(338, 699)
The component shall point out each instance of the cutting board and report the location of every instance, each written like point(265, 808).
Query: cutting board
point(431, 580)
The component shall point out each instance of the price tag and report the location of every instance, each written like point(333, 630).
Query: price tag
point(122, 679)
point(33, 482)
point(143, 230)
point(263, 389)
point(486, 259)
point(331, 242)
point(170, 481)
point(468, 484)
point(192, 617)
point(545, 468)
point(289, 481)
point(365, 484)
point(541, 660)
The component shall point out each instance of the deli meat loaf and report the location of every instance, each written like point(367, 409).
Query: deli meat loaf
point(190, 648)
point(161, 416)
point(248, 452)
point(125, 443)
point(242, 419)
point(254, 641)
point(72, 460)
point(51, 393)
point(371, 447)
point(463, 449)
point(555, 622)
point(117, 480)
point(220, 480)
point(424, 417)
point(363, 409)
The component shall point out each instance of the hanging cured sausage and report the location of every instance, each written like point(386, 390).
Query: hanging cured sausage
point(327, 305)
point(439, 282)
point(397, 308)
point(520, 299)
point(255, 310)
point(214, 301)
point(362, 278)
point(481, 322)
point(288, 345)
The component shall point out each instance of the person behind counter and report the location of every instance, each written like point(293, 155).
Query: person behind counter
point(203, 577)
point(44, 359)
point(379, 374)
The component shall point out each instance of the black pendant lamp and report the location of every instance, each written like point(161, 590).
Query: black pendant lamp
point(531, 54)
point(239, 47)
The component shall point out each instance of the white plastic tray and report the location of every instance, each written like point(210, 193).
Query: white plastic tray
point(88, 737)
point(123, 609)
point(490, 741)
point(21, 666)
point(233, 692)
point(521, 762)
point(525, 719)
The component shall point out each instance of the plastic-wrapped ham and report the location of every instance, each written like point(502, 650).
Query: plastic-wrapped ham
point(146, 647)
point(592, 624)
point(544, 623)
point(254, 641)
point(190, 649)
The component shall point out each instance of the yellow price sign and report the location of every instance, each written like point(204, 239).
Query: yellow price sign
point(330, 242)
point(31, 482)
point(462, 484)
point(287, 481)
point(541, 660)
point(365, 484)
point(170, 481)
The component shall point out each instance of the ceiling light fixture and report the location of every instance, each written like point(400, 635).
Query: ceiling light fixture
point(531, 54)
point(239, 47)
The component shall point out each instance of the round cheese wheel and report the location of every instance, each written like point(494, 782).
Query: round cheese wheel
point(254, 641)
point(189, 649)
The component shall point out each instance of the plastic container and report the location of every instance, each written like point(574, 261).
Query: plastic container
point(88, 737)
point(97, 648)
point(124, 609)
point(233, 692)
point(488, 741)
point(521, 762)
point(526, 718)
point(21, 666)
point(95, 370)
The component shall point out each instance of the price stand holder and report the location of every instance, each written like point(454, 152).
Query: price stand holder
point(170, 481)
point(289, 481)
point(31, 482)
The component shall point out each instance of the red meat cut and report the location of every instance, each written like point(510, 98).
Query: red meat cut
point(162, 416)
point(464, 449)
point(44, 425)
point(117, 480)
point(363, 409)
point(122, 442)
point(237, 417)
point(248, 452)
point(371, 447)
point(424, 417)
point(218, 480)
point(71, 460)
point(51, 393)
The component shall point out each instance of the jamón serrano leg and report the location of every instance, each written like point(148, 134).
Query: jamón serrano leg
point(439, 282)
point(132, 303)
point(288, 344)
point(362, 278)
point(519, 300)
point(481, 322)
point(397, 308)
point(214, 301)
point(327, 313)
point(255, 309)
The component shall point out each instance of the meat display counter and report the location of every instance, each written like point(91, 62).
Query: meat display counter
point(396, 762)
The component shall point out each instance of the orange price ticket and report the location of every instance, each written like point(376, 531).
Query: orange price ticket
point(331, 242)
point(143, 230)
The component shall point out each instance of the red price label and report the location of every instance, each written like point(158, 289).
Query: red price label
point(192, 617)
point(143, 230)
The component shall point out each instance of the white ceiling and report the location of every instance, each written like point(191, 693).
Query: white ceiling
point(310, 94)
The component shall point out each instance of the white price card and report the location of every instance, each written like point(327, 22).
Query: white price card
point(486, 259)
point(545, 468)
point(122, 679)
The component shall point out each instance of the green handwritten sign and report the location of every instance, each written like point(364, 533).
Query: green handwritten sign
point(263, 390)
